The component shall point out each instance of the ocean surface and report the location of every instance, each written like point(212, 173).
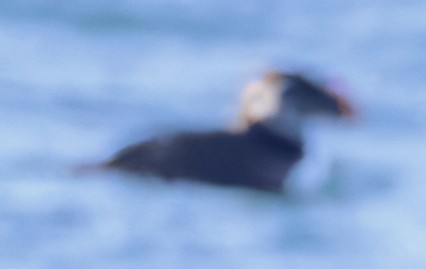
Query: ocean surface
point(80, 80)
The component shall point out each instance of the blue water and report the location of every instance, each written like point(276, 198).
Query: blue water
point(80, 80)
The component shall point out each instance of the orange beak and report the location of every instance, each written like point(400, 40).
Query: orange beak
point(345, 107)
point(336, 86)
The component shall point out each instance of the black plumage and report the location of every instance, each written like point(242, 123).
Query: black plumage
point(256, 158)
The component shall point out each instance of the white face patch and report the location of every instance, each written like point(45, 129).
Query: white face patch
point(260, 101)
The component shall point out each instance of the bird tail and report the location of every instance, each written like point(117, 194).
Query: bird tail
point(89, 168)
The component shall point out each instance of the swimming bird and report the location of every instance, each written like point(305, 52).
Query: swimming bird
point(266, 145)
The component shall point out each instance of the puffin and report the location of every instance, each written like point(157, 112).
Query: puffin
point(260, 149)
